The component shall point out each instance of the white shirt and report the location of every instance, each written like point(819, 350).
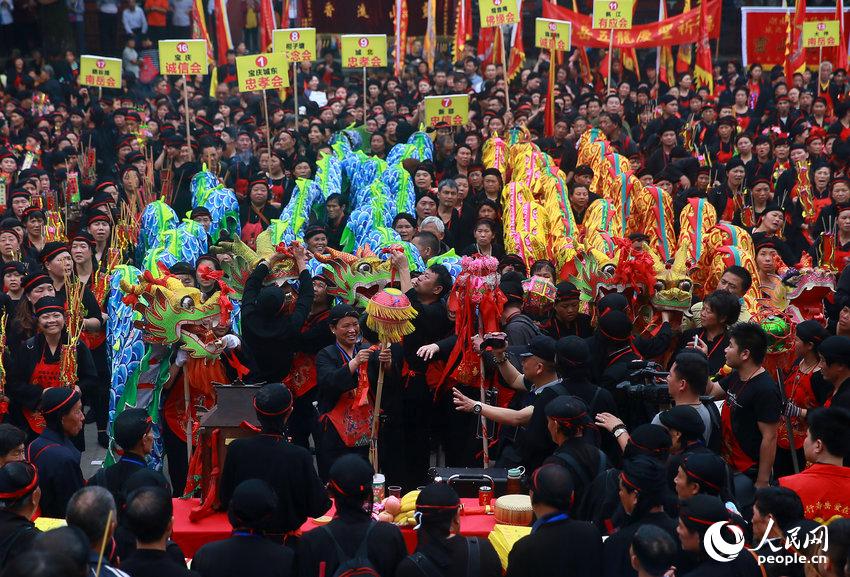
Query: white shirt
point(108, 6)
point(181, 13)
point(6, 8)
point(134, 20)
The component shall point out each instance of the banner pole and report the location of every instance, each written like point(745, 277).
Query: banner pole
point(365, 95)
point(610, 59)
point(268, 122)
point(295, 90)
point(186, 111)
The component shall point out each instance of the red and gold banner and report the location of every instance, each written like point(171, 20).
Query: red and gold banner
point(680, 29)
point(766, 30)
point(375, 16)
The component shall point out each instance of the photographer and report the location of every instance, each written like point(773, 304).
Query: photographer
point(540, 380)
point(686, 382)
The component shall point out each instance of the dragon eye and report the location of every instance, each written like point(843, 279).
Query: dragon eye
point(187, 303)
point(685, 285)
point(364, 268)
point(659, 285)
point(609, 269)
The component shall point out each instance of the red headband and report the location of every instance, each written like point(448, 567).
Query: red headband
point(628, 482)
point(37, 280)
point(55, 252)
point(277, 414)
point(60, 405)
point(23, 491)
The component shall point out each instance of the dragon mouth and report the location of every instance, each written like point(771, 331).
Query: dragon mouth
point(200, 331)
point(676, 300)
point(365, 292)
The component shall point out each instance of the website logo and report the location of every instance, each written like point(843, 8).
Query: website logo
point(716, 545)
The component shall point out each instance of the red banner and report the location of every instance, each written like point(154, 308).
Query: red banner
point(374, 16)
point(681, 29)
point(765, 29)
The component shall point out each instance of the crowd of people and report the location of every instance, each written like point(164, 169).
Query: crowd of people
point(649, 467)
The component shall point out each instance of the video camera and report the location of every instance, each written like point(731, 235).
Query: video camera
point(647, 382)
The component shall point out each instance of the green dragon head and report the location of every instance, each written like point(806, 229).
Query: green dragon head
point(171, 313)
point(238, 260)
point(354, 278)
point(673, 286)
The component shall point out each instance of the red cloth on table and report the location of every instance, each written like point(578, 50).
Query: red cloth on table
point(190, 536)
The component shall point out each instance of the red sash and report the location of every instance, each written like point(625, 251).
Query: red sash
point(352, 414)
point(250, 232)
point(732, 451)
point(241, 186)
point(798, 390)
point(201, 376)
point(45, 375)
point(302, 378)
point(93, 340)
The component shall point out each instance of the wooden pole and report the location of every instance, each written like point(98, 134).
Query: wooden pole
point(103, 543)
point(483, 398)
point(365, 95)
point(376, 415)
point(186, 111)
point(295, 90)
point(187, 401)
point(268, 122)
point(610, 59)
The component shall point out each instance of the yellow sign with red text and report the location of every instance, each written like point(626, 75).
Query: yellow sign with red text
point(613, 14)
point(451, 109)
point(99, 71)
point(821, 34)
point(298, 44)
point(262, 72)
point(182, 57)
point(497, 12)
point(552, 34)
point(364, 50)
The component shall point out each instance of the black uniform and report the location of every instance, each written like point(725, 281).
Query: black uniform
point(451, 558)
point(317, 556)
point(287, 468)
point(59, 474)
point(744, 565)
point(153, 563)
point(533, 442)
point(271, 339)
point(244, 554)
point(617, 561)
point(580, 327)
point(584, 461)
point(113, 478)
point(16, 535)
point(558, 546)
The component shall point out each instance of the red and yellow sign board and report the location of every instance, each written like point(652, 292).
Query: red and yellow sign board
point(298, 44)
point(497, 12)
point(262, 72)
point(613, 14)
point(364, 50)
point(182, 57)
point(821, 34)
point(552, 34)
point(453, 109)
point(99, 71)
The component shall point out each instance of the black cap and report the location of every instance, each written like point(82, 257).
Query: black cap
point(811, 331)
point(835, 348)
point(511, 285)
point(643, 473)
point(273, 400)
point(51, 250)
point(437, 500)
point(339, 312)
point(17, 480)
point(568, 411)
point(542, 347)
point(200, 211)
point(58, 401)
point(573, 352)
point(707, 469)
point(566, 291)
point(270, 300)
point(615, 326)
point(181, 268)
point(13, 266)
point(612, 302)
point(130, 426)
point(351, 476)
point(702, 511)
point(313, 231)
point(32, 212)
point(649, 439)
point(47, 305)
point(685, 419)
point(34, 280)
point(252, 504)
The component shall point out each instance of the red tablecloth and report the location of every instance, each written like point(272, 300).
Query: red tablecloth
point(190, 536)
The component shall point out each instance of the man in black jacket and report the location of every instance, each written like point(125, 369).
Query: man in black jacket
point(132, 432)
point(269, 456)
point(351, 487)
point(270, 325)
point(558, 546)
point(247, 551)
point(19, 497)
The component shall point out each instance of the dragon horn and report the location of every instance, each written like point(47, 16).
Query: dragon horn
point(334, 255)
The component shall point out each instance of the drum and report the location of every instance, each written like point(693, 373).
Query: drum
point(514, 510)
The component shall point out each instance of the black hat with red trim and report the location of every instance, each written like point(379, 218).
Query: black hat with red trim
point(18, 479)
point(34, 280)
point(702, 511)
point(273, 400)
point(58, 401)
point(51, 250)
point(351, 476)
point(47, 305)
point(436, 501)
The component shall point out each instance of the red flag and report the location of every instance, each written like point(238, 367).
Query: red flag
point(704, 70)
point(549, 121)
point(841, 58)
point(486, 45)
point(200, 32)
point(665, 53)
point(795, 60)
point(517, 49)
point(267, 25)
point(628, 58)
point(400, 23)
point(684, 57)
point(463, 27)
point(222, 31)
